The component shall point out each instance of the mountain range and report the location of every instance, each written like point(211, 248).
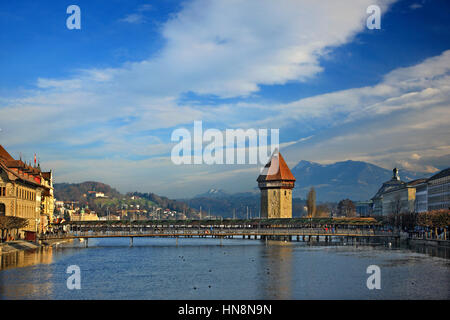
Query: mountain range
point(356, 180)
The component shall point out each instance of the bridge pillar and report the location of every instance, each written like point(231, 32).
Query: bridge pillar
point(86, 242)
point(317, 238)
point(243, 237)
point(303, 238)
point(309, 238)
point(289, 238)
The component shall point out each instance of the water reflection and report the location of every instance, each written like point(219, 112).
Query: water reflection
point(272, 270)
point(26, 258)
point(433, 251)
point(277, 266)
point(22, 287)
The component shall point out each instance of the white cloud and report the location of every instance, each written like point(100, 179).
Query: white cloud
point(133, 18)
point(415, 6)
point(145, 7)
point(213, 48)
point(137, 17)
point(421, 86)
point(406, 114)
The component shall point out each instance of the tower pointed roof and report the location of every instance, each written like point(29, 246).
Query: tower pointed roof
point(276, 170)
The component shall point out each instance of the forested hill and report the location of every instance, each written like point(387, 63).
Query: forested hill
point(75, 191)
point(114, 199)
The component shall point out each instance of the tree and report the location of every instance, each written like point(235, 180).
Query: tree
point(322, 211)
point(346, 208)
point(311, 202)
point(3, 227)
point(8, 223)
point(435, 218)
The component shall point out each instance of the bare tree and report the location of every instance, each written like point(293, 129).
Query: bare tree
point(3, 227)
point(322, 211)
point(9, 223)
point(396, 210)
point(396, 205)
point(346, 208)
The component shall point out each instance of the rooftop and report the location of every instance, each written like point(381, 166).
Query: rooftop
point(276, 170)
point(441, 174)
point(19, 169)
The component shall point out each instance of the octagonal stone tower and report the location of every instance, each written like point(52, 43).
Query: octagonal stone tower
point(276, 183)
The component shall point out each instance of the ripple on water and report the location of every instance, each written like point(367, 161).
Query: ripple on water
point(239, 269)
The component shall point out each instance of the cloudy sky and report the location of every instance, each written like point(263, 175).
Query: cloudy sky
point(102, 102)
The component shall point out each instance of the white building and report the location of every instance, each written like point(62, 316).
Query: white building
point(438, 196)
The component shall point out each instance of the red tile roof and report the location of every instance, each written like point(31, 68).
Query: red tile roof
point(276, 170)
point(21, 170)
point(4, 155)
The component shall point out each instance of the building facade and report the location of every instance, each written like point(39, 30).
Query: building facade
point(438, 196)
point(399, 200)
point(364, 208)
point(421, 195)
point(421, 204)
point(377, 200)
point(26, 192)
point(276, 184)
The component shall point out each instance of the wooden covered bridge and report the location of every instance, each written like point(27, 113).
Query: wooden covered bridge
point(299, 229)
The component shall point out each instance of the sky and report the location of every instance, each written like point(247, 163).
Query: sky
point(101, 103)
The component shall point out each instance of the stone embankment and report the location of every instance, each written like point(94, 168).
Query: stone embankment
point(19, 245)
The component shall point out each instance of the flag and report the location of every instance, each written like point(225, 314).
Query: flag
point(35, 159)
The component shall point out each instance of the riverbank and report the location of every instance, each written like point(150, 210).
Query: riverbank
point(430, 242)
point(21, 245)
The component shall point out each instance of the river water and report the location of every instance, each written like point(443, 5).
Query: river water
point(234, 269)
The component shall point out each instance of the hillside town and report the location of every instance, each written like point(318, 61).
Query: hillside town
point(74, 211)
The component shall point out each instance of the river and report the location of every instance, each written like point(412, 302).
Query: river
point(234, 269)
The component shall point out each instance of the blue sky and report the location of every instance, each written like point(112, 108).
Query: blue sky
point(101, 103)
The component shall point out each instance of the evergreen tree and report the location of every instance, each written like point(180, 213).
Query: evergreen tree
point(311, 202)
